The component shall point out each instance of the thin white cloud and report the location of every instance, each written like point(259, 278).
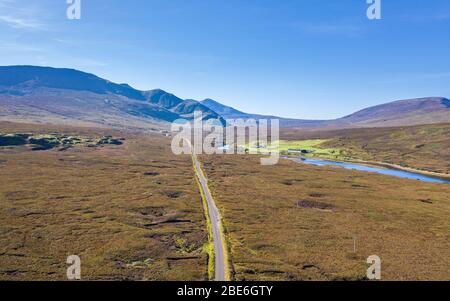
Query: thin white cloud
point(17, 22)
point(4, 3)
point(65, 41)
point(23, 16)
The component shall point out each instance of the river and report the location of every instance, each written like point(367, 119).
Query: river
point(380, 170)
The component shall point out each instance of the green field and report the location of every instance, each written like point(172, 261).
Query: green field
point(283, 146)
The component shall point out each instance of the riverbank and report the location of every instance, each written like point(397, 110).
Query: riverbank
point(399, 167)
point(435, 175)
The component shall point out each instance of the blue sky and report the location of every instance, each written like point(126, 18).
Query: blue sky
point(292, 58)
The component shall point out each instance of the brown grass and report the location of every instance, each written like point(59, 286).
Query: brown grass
point(299, 222)
point(130, 212)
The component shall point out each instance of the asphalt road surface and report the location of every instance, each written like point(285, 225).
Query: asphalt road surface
point(214, 216)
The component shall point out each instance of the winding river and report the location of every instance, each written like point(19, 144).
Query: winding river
point(380, 170)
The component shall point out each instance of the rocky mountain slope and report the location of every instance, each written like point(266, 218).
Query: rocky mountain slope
point(51, 95)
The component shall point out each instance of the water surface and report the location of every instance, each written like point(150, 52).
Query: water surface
point(380, 170)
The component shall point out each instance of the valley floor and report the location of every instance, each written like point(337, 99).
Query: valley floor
point(307, 222)
point(130, 212)
point(134, 212)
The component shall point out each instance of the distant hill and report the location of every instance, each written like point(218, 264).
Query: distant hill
point(43, 94)
point(56, 95)
point(398, 113)
point(403, 112)
point(231, 113)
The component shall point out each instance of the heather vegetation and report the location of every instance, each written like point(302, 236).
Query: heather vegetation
point(301, 222)
point(131, 211)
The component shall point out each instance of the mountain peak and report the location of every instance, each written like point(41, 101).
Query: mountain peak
point(64, 90)
point(62, 78)
point(209, 100)
point(163, 98)
point(223, 109)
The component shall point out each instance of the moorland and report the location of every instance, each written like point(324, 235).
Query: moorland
point(305, 222)
point(130, 211)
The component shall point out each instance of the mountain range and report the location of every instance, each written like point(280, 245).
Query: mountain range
point(416, 111)
point(43, 94)
point(67, 96)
